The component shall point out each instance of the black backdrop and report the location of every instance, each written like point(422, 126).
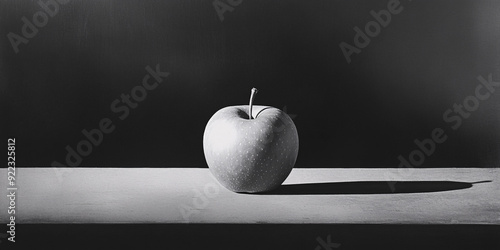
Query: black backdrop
point(359, 114)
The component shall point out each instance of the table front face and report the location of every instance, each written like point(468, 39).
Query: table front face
point(175, 195)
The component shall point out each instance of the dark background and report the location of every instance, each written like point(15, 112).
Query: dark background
point(255, 236)
point(362, 114)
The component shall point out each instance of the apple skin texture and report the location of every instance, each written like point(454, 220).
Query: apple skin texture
point(250, 156)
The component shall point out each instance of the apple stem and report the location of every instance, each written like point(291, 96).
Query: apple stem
point(252, 95)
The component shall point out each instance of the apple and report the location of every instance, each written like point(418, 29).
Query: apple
point(250, 149)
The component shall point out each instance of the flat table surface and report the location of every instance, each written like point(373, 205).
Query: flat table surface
point(192, 195)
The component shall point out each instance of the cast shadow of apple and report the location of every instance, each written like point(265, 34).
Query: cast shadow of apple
point(370, 187)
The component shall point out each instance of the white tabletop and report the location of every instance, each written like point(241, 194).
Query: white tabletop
point(192, 195)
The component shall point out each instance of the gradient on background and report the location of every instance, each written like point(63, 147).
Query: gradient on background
point(360, 114)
